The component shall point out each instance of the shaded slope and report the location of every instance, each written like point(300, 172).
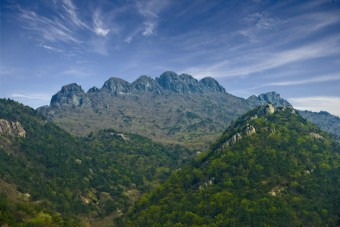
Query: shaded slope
point(267, 169)
point(94, 176)
point(326, 121)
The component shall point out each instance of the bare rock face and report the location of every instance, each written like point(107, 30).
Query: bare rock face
point(146, 83)
point(269, 109)
point(316, 135)
point(270, 97)
point(70, 95)
point(116, 86)
point(250, 130)
point(11, 129)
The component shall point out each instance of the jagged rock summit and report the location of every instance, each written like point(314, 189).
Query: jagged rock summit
point(170, 108)
point(167, 82)
point(270, 97)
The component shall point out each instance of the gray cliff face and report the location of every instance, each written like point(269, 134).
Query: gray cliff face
point(210, 84)
point(146, 83)
point(93, 90)
point(116, 86)
point(270, 97)
point(71, 94)
point(181, 84)
point(184, 84)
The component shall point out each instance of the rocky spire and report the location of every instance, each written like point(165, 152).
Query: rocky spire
point(71, 94)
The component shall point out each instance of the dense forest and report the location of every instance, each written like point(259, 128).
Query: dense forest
point(56, 175)
point(265, 170)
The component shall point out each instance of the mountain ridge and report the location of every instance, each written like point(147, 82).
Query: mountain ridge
point(270, 167)
point(171, 108)
point(167, 82)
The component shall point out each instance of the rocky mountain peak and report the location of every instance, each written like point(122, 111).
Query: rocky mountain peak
point(146, 83)
point(93, 90)
point(269, 97)
point(183, 83)
point(210, 84)
point(116, 86)
point(69, 94)
point(72, 88)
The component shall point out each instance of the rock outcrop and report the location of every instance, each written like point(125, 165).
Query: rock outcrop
point(316, 135)
point(209, 84)
point(71, 94)
point(185, 83)
point(249, 130)
point(270, 97)
point(146, 83)
point(116, 86)
point(11, 129)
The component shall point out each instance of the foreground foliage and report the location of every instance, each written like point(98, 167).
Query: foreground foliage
point(95, 176)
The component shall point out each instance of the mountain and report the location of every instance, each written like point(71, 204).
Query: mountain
point(269, 168)
point(326, 121)
point(48, 176)
point(270, 97)
point(170, 108)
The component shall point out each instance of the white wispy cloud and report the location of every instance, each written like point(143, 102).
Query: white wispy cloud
point(98, 24)
point(51, 48)
point(35, 96)
point(48, 29)
point(317, 103)
point(67, 26)
point(71, 10)
point(149, 28)
point(150, 10)
point(305, 81)
point(256, 23)
point(257, 61)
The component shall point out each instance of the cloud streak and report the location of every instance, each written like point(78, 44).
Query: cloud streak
point(34, 96)
point(50, 30)
point(98, 24)
point(306, 81)
point(257, 62)
point(317, 103)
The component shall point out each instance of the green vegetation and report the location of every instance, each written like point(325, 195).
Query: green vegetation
point(284, 174)
point(95, 176)
point(23, 213)
point(267, 169)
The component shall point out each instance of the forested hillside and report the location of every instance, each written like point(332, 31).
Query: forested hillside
point(96, 176)
point(269, 168)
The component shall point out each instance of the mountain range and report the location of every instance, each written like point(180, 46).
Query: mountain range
point(114, 156)
point(171, 108)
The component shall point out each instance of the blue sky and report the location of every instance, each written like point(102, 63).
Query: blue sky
point(250, 47)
